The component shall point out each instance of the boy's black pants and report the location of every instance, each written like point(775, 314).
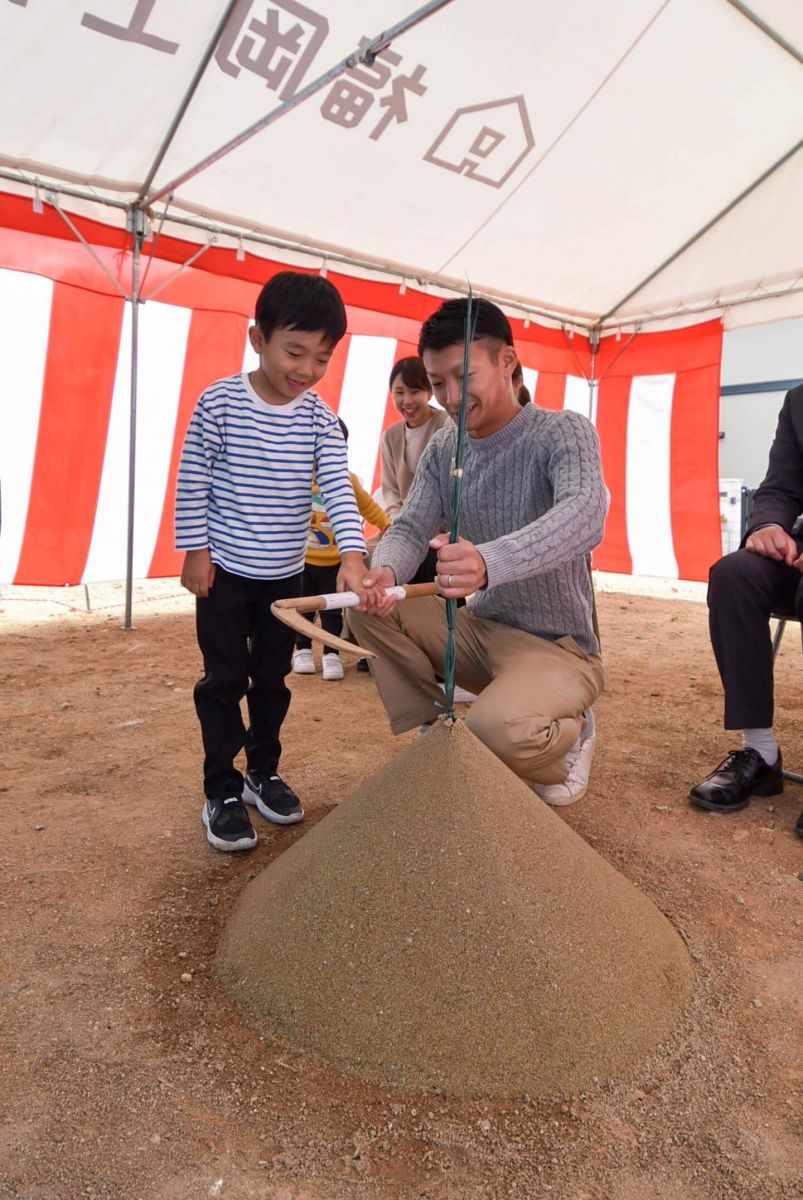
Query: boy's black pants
point(319, 581)
point(246, 652)
point(743, 589)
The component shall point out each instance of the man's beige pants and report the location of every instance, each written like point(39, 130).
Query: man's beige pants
point(530, 692)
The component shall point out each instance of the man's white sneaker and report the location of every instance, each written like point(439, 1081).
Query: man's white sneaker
point(303, 662)
point(578, 763)
point(332, 666)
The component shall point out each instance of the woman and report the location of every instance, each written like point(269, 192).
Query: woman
point(404, 443)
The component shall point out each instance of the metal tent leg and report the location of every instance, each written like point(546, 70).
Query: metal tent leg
point(137, 219)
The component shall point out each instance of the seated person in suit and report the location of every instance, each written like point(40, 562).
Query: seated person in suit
point(744, 588)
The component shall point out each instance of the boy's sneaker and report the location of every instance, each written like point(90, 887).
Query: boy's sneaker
point(228, 826)
point(303, 662)
point(271, 796)
point(575, 786)
point(332, 666)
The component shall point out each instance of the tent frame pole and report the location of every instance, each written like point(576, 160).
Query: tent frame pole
point(192, 87)
point(137, 224)
point(365, 54)
point(770, 32)
point(715, 220)
point(593, 382)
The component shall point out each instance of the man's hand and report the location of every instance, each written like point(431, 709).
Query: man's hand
point(198, 573)
point(461, 567)
point(354, 577)
point(774, 542)
point(374, 583)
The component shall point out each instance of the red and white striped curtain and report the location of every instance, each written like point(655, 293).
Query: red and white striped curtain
point(65, 393)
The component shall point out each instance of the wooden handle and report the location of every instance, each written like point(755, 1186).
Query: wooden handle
point(413, 590)
point(304, 603)
point(310, 604)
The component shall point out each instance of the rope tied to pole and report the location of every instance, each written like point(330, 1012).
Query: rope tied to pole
point(450, 654)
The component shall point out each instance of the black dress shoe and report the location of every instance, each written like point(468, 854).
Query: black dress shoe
point(743, 774)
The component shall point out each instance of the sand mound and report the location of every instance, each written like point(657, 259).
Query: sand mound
point(444, 929)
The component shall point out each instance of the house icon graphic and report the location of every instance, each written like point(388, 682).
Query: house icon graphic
point(485, 142)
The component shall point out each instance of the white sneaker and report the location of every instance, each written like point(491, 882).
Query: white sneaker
point(332, 666)
point(303, 662)
point(575, 786)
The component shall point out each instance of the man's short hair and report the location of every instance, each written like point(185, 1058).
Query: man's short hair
point(446, 326)
point(310, 303)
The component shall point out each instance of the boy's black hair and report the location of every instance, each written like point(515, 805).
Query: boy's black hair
point(292, 300)
point(446, 326)
point(413, 374)
point(344, 429)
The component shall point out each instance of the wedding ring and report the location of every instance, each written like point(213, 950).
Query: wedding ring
point(448, 581)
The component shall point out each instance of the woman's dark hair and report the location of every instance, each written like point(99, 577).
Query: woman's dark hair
point(413, 374)
point(446, 326)
point(517, 379)
point(309, 303)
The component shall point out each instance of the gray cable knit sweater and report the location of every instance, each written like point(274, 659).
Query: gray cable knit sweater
point(533, 504)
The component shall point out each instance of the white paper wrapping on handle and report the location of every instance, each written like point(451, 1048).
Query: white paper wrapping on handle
point(351, 599)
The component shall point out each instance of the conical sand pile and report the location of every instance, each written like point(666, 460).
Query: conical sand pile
point(444, 929)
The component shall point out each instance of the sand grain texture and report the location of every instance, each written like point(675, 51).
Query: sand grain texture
point(444, 929)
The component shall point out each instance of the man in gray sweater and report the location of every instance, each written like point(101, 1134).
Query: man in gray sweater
point(533, 505)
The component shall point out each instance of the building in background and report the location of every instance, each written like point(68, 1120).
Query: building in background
point(759, 365)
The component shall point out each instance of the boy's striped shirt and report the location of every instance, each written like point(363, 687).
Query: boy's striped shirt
point(245, 476)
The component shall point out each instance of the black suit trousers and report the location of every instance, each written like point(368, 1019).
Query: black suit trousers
point(743, 590)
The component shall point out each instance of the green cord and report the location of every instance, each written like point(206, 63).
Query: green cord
point(450, 654)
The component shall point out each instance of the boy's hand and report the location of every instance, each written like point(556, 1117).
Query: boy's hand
point(461, 567)
point(370, 587)
point(198, 573)
point(351, 576)
point(377, 603)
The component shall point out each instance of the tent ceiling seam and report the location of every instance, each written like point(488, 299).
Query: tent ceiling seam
point(603, 83)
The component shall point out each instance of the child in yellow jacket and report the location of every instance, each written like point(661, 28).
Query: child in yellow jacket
point(321, 565)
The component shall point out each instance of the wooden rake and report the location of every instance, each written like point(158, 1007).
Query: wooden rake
point(292, 611)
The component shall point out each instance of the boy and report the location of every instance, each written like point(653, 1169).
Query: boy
point(320, 572)
point(242, 515)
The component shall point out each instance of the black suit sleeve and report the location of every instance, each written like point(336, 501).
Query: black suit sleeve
point(779, 499)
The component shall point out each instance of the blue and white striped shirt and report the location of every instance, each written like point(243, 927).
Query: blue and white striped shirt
point(245, 478)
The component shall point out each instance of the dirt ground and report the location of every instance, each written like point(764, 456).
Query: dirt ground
point(121, 1079)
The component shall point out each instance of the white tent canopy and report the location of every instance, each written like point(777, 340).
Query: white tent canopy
point(557, 153)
